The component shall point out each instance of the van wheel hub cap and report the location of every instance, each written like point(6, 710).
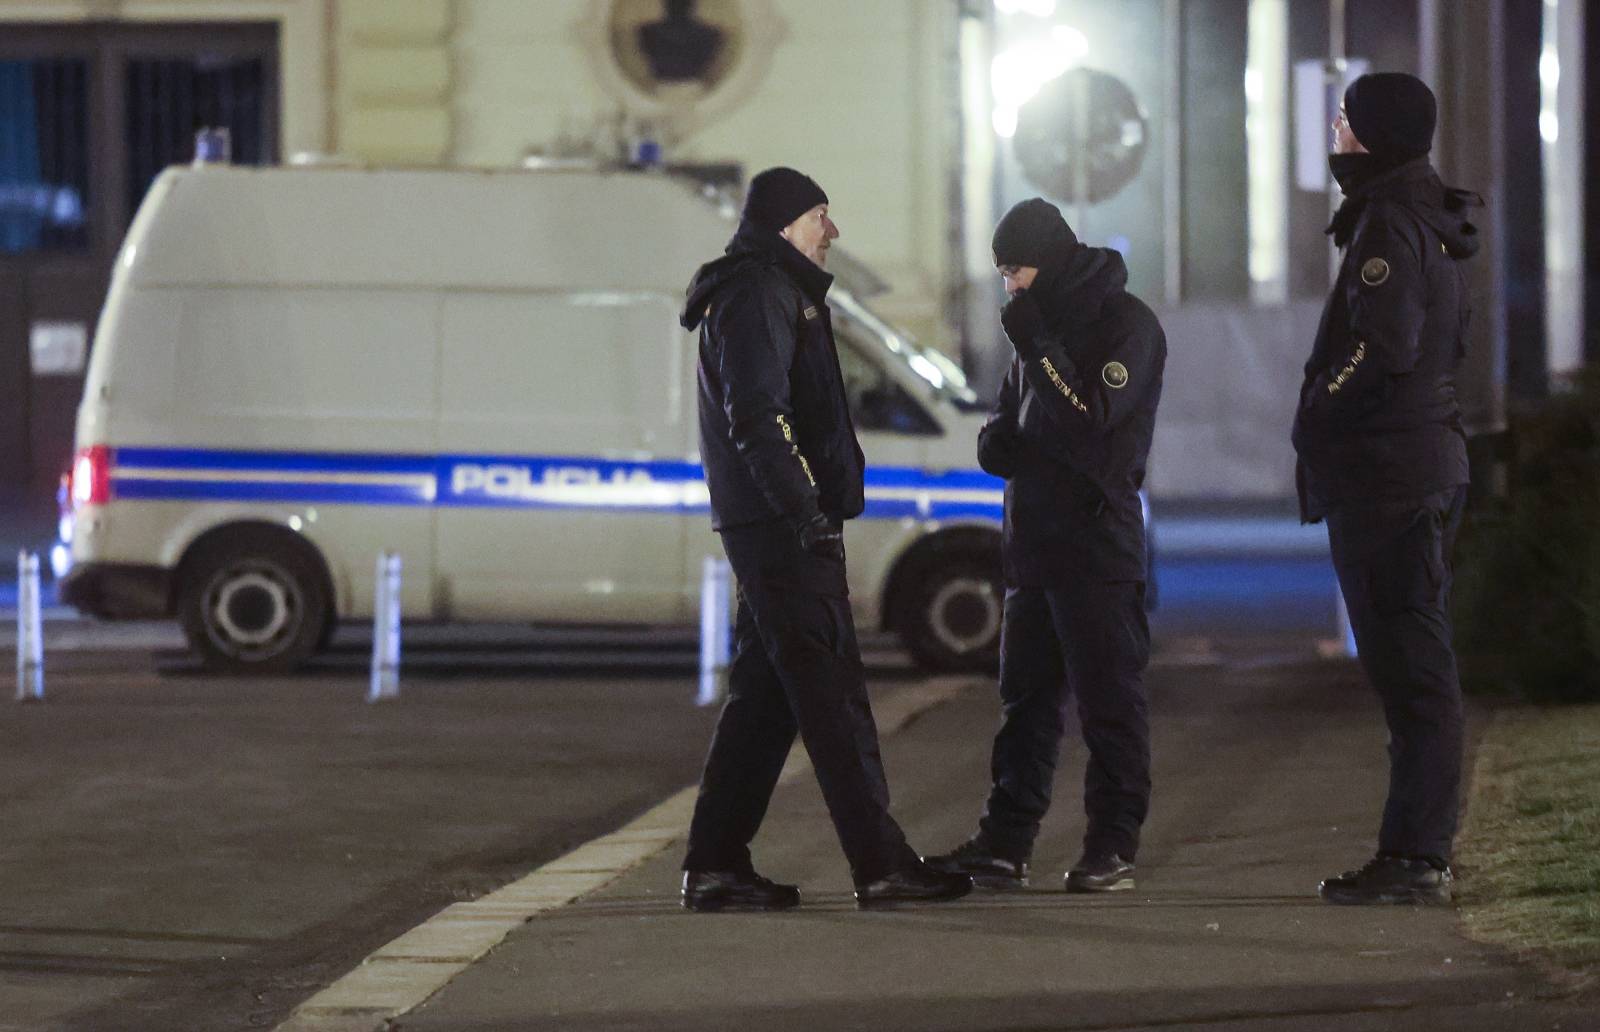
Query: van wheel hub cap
point(965, 614)
point(252, 607)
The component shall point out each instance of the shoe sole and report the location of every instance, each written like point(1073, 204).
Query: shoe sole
point(1120, 885)
point(997, 882)
point(989, 879)
point(895, 902)
point(986, 879)
point(1417, 899)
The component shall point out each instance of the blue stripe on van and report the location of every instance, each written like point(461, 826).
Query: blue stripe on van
point(272, 462)
point(953, 480)
point(255, 491)
point(501, 481)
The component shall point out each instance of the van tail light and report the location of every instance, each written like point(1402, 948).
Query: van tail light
point(91, 477)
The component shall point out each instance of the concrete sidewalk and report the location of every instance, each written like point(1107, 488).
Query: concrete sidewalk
point(1269, 776)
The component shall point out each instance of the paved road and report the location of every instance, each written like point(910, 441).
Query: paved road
point(1269, 773)
point(181, 852)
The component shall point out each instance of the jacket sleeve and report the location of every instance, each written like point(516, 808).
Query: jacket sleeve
point(1386, 299)
point(1092, 400)
point(999, 440)
point(757, 345)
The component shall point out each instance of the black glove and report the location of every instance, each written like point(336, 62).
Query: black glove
point(1024, 324)
point(998, 450)
point(821, 537)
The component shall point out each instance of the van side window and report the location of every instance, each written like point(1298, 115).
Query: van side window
point(877, 401)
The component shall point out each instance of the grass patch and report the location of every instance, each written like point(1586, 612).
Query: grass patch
point(1530, 855)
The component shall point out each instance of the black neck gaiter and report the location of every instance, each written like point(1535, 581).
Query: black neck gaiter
point(1355, 173)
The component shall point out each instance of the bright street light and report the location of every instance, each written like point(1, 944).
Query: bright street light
point(1021, 70)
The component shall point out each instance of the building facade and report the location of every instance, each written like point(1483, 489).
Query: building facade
point(1198, 146)
point(850, 92)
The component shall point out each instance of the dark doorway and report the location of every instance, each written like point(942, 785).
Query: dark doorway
point(89, 116)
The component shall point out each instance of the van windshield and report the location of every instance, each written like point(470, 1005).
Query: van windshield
point(945, 378)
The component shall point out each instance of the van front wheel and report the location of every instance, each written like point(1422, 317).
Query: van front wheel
point(253, 602)
point(951, 618)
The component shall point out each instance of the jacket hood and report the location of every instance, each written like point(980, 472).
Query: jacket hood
point(1075, 285)
point(752, 247)
point(1450, 220)
point(711, 278)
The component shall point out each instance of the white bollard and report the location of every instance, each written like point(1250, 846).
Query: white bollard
point(30, 630)
point(386, 630)
point(716, 629)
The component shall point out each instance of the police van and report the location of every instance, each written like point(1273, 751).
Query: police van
point(298, 368)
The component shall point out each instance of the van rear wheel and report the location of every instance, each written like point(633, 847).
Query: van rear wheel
point(950, 620)
point(253, 601)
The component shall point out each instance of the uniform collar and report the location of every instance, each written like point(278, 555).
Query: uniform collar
point(807, 274)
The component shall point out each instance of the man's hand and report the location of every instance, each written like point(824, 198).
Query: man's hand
point(999, 447)
point(821, 537)
point(1024, 324)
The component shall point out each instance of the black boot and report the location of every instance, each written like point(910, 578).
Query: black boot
point(916, 884)
point(1100, 872)
point(1390, 879)
point(707, 891)
point(989, 868)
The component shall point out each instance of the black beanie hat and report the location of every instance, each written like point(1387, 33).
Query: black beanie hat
point(1392, 115)
point(780, 195)
point(1031, 231)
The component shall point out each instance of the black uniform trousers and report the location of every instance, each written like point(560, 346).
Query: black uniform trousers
point(1087, 642)
point(796, 665)
point(1393, 562)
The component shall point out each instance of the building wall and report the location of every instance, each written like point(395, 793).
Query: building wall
point(392, 70)
point(305, 56)
point(852, 92)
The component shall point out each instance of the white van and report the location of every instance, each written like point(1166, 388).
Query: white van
point(298, 368)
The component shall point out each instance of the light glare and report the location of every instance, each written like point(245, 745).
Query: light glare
point(82, 481)
point(1252, 86)
point(1018, 73)
point(1071, 40)
point(1037, 8)
point(1549, 68)
point(927, 370)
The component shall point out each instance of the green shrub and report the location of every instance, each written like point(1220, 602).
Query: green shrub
point(1527, 598)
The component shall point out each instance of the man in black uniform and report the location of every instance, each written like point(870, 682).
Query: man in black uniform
point(1383, 459)
point(784, 470)
point(1070, 434)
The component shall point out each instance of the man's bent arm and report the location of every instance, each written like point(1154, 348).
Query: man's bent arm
point(1384, 294)
point(757, 350)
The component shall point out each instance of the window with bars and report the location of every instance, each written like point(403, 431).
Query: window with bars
point(168, 100)
point(44, 155)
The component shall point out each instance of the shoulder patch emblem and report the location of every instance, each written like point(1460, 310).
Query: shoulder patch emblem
point(1115, 375)
point(1374, 272)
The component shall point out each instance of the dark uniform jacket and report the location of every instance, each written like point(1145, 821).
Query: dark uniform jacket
point(1071, 430)
point(775, 430)
point(1378, 416)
